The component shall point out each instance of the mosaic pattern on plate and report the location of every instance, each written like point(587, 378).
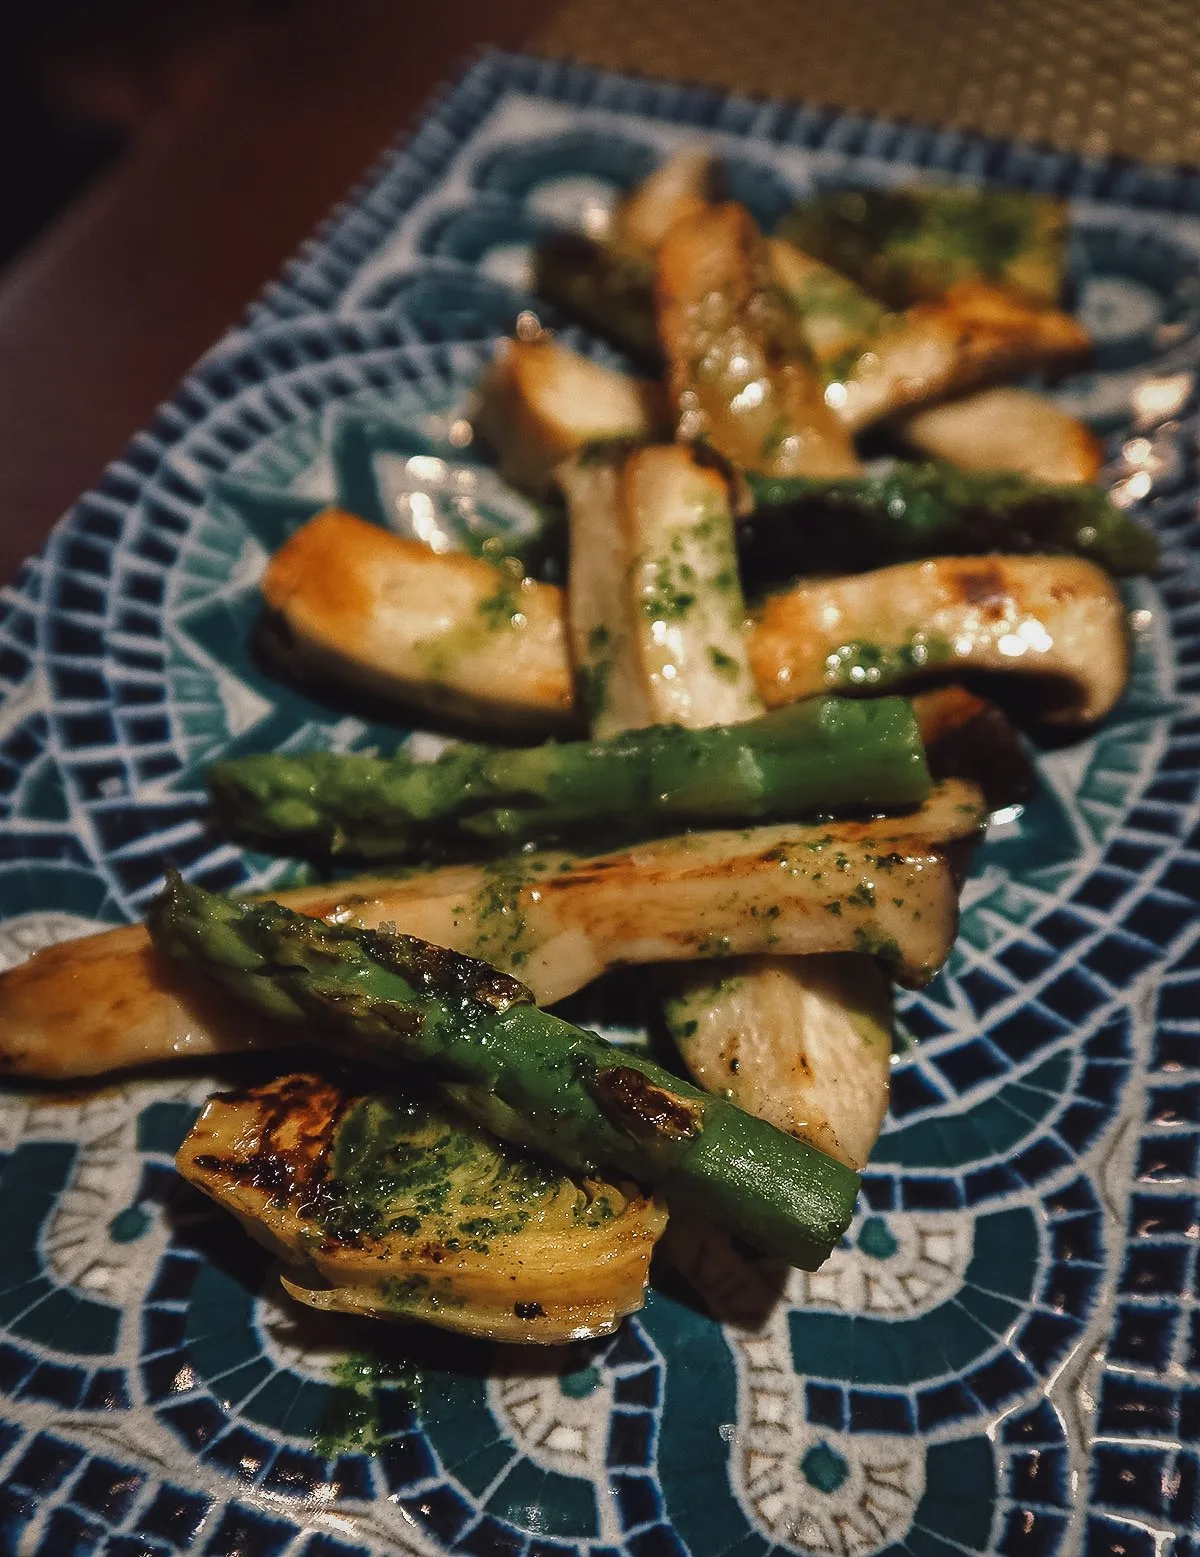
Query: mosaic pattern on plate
point(1014, 1307)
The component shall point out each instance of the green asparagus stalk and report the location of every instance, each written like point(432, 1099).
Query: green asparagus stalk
point(908, 244)
point(822, 756)
point(930, 509)
point(527, 1075)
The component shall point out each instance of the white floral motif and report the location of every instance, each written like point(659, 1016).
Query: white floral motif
point(78, 1243)
point(868, 1497)
point(925, 1268)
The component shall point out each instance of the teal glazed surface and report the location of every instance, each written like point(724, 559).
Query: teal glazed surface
point(1004, 1355)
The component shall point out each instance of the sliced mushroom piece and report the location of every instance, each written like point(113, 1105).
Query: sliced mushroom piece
point(447, 632)
point(344, 612)
point(738, 369)
point(803, 1042)
point(838, 319)
point(975, 334)
point(606, 280)
point(611, 695)
point(1000, 332)
point(1007, 429)
point(1059, 619)
point(391, 1205)
point(966, 737)
point(681, 187)
point(540, 402)
point(656, 610)
point(107, 1002)
point(875, 363)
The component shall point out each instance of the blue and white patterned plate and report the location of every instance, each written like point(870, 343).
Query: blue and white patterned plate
point(1005, 1353)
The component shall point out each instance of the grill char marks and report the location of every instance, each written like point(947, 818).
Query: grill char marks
point(287, 1153)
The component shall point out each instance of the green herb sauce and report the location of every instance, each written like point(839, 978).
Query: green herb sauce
point(863, 664)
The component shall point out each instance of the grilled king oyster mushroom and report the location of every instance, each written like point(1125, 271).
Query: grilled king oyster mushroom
point(108, 1001)
point(1080, 638)
point(392, 1205)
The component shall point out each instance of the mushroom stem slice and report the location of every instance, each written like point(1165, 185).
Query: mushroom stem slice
point(803, 1042)
point(1007, 429)
point(738, 368)
point(1059, 619)
point(540, 403)
point(453, 634)
point(557, 920)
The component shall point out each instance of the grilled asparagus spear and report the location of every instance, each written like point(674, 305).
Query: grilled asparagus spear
point(827, 755)
point(932, 509)
point(606, 286)
point(525, 1074)
point(906, 245)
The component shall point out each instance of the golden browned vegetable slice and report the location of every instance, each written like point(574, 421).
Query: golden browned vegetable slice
point(390, 1204)
point(451, 633)
point(656, 609)
point(1000, 333)
point(837, 318)
point(1007, 429)
point(1089, 612)
point(737, 366)
point(940, 711)
point(973, 335)
point(107, 1002)
point(1056, 618)
point(611, 695)
point(680, 188)
point(803, 1042)
point(539, 403)
point(683, 583)
point(605, 278)
point(875, 363)
point(969, 738)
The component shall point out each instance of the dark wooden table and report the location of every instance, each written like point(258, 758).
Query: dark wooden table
point(105, 313)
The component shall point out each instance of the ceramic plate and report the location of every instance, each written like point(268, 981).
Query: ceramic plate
point(1004, 1355)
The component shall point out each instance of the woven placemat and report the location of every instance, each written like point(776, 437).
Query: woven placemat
point(1101, 77)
